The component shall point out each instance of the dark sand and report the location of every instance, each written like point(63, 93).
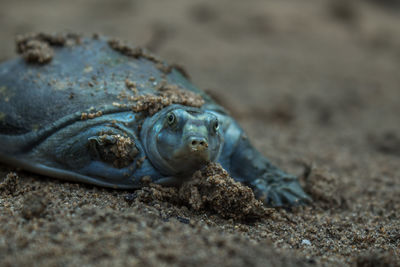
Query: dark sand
point(315, 84)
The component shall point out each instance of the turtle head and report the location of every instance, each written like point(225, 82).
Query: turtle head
point(180, 140)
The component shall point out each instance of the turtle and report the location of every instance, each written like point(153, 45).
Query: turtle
point(97, 110)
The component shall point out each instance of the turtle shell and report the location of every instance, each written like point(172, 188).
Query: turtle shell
point(84, 79)
point(88, 77)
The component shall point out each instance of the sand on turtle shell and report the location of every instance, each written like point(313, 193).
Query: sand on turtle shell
point(131, 85)
point(165, 96)
point(139, 52)
point(35, 51)
point(91, 115)
point(119, 150)
point(37, 47)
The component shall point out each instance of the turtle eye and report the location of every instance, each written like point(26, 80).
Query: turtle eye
point(216, 125)
point(171, 118)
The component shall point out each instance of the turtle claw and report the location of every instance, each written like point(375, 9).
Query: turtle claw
point(283, 193)
point(273, 197)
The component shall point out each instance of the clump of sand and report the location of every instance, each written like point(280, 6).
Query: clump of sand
point(211, 190)
point(35, 51)
point(138, 52)
point(37, 47)
point(166, 95)
point(9, 186)
point(116, 149)
point(34, 205)
point(323, 187)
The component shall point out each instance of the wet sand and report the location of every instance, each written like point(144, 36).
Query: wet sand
point(314, 83)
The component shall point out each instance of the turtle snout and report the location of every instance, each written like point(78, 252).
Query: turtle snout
point(197, 143)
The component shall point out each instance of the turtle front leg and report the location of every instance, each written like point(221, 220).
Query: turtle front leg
point(270, 184)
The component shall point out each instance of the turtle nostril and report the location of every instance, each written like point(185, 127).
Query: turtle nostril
point(197, 143)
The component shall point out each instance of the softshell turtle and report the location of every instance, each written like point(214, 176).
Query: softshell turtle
point(95, 110)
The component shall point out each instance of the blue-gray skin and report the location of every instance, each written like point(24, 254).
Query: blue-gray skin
point(41, 129)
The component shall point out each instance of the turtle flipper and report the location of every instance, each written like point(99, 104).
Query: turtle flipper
point(283, 191)
point(270, 184)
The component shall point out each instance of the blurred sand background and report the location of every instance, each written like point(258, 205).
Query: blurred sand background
point(313, 82)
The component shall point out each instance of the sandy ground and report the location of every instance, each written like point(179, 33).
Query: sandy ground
point(314, 83)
